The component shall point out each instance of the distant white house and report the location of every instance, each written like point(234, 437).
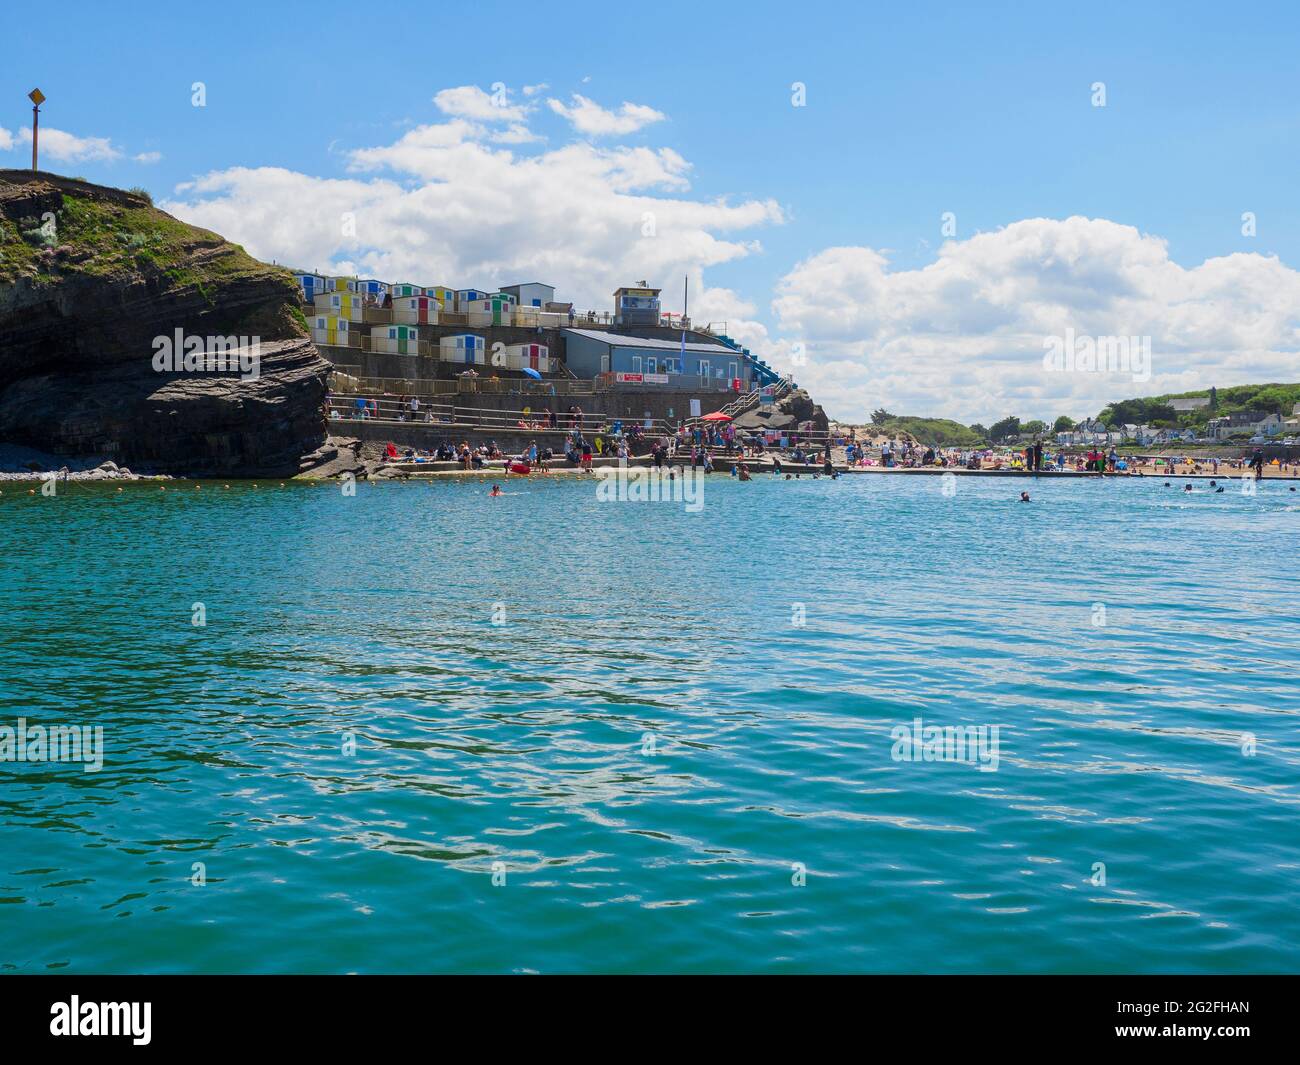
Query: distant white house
point(1246, 422)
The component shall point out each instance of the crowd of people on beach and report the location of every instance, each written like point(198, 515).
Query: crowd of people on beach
point(701, 443)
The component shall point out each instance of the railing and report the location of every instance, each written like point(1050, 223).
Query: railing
point(343, 339)
point(422, 347)
point(681, 381)
point(395, 410)
point(490, 386)
point(746, 402)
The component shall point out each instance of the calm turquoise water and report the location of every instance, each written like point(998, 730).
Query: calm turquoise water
point(525, 744)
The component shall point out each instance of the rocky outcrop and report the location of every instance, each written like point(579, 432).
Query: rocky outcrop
point(93, 281)
point(790, 411)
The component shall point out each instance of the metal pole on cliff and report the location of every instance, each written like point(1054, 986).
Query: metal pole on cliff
point(686, 299)
point(37, 98)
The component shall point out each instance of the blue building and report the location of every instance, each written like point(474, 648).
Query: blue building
point(763, 373)
point(643, 360)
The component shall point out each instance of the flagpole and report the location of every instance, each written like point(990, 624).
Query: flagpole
point(686, 294)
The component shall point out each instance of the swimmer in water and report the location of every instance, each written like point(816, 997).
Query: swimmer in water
point(1187, 488)
point(1024, 497)
point(496, 490)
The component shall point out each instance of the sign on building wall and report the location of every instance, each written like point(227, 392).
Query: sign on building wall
point(695, 408)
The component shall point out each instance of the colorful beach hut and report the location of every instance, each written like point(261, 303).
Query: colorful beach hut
point(415, 310)
point(467, 296)
point(446, 297)
point(528, 357)
point(370, 287)
point(395, 339)
point(311, 284)
point(330, 329)
point(465, 348)
point(404, 289)
point(341, 304)
point(496, 309)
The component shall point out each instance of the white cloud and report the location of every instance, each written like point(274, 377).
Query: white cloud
point(516, 133)
point(6, 139)
point(69, 148)
point(426, 150)
point(147, 157)
point(588, 117)
point(444, 204)
point(533, 90)
point(469, 101)
point(964, 336)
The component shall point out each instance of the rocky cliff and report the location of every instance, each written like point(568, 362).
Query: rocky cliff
point(96, 286)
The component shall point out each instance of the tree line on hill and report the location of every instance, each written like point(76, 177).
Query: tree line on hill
point(1155, 411)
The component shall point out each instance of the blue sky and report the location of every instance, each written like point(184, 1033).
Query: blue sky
point(912, 111)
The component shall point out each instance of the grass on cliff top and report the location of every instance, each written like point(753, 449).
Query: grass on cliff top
point(936, 432)
point(107, 240)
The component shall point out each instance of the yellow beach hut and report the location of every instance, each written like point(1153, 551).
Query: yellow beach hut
point(341, 303)
point(446, 297)
point(330, 329)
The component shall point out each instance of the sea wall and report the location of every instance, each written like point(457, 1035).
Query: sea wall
point(425, 436)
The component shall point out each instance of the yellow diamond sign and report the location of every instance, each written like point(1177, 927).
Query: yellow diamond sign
point(37, 97)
